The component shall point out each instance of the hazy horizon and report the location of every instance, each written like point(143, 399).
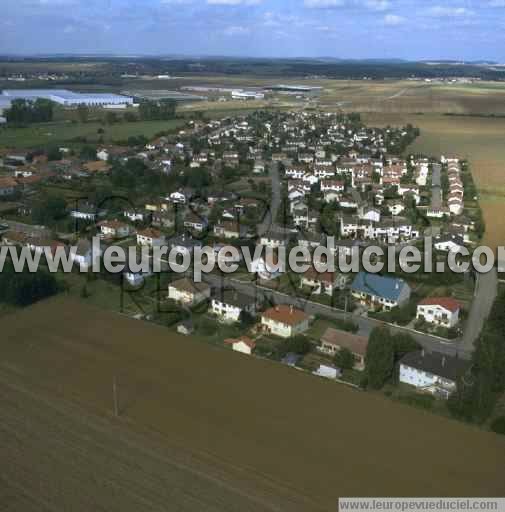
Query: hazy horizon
point(461, 30)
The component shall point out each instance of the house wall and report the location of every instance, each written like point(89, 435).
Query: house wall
point(284, 330)
point(425, 380)
point(438, 315)
point(227, 312)
point(242, 347)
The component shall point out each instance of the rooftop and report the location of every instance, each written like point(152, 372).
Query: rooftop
point(355, 343)
point(285, 314)
point(438, 364)
point(373, 284)
point(446, 302)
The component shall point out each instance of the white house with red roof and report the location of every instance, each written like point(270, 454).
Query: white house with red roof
point(323, 282)
point(244, 344)
point(284, 321)
point(441, 311)
point(150, 237)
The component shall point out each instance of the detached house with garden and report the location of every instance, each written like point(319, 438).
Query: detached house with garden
point(379, 292)
point(284, 321)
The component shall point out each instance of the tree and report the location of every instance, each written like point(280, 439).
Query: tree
point(379, 359)
point(24, 111)
point(498, 425)
point(157, 110)
point(111, 118)
point(344, 359)
point(49, 209)
point(25, 288)
point(130, 117)
point(83, 113)
point(246, 319)
point(88, 153)
point(53, 153)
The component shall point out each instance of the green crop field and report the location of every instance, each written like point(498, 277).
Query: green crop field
point(65, 131)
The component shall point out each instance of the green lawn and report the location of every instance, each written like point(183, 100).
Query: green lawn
point(63, 132)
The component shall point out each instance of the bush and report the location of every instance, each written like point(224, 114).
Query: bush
point(498, 425)
point(344, 359)
point(417, 400)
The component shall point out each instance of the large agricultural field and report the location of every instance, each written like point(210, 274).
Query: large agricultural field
point(201, 428)
point(64, 132)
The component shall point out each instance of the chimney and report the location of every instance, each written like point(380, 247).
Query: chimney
point(443, 361)
point(422, 352)
point(276, 308)
point(291, 309)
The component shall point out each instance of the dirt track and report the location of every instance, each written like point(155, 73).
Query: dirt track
point(204, 429)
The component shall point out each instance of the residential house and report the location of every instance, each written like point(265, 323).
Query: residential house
point(177, 197)
point(228, 305)
point(323, 282)
point(334, 340)
point(284, 321)
point(440, 311)
point(395, 207)
point(187, 292)
point(8, 186)
point(194, 222)
point(114, 229)
point(150, 237)
point(275, 238)
point(244, 344)
point(229, 229)
point(380, 292)
point(86, 212)
point(433, 373)
point(449, 243)
point(333, 185)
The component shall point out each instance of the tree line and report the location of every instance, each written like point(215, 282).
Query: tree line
point(478, 392)
point(25, 111)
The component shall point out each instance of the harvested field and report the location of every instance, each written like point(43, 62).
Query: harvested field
point(203, 428)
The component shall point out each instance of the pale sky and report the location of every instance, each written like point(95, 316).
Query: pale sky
point(408, 29)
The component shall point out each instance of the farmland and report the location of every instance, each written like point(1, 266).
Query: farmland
point(201, 428)
point(62, 132)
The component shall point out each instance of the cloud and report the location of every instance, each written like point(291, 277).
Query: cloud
point(236, 30)
point(439, 11)
point(393, 20)
point(378, 5)
point(496, 3)
point(323, 4)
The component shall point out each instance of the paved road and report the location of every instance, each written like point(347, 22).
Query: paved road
point(436, 187)
point(365, 324)
point(484, 297)
point(271, 215)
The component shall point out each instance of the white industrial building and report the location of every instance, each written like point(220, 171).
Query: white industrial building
point(246, 95)
point(65, 97)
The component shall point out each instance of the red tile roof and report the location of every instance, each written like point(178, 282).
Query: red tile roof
point(446, 302)
point(150, 233)
point(286, 315)
point(244, 339)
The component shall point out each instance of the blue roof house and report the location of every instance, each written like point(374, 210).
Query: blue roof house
point(380, 292)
